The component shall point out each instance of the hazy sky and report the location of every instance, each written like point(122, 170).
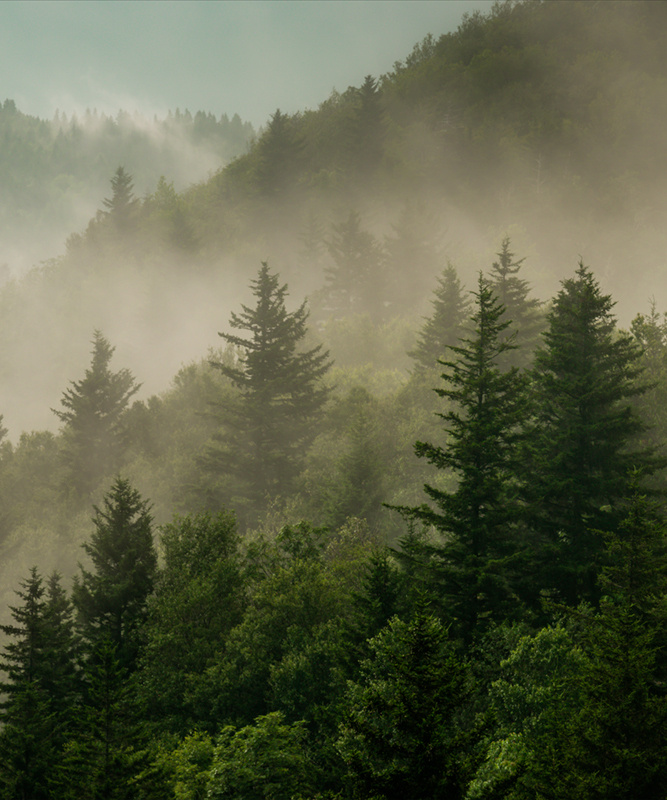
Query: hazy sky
point(247, 57)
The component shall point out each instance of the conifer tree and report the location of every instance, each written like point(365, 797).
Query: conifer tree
point(477, 559)
point(92, 414)
point(39, 691)
point(261, 445)
point(399, 735)
point(104, 757)
point(121, 206)
point(523, 311)
point(446, 325)
point(111, 600)
point(25, 754)
point(650, 333)
point(279, 151)
point(355, 279)
point(581, 446)
point(368, 128)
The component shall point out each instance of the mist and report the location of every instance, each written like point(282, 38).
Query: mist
point(533, 134)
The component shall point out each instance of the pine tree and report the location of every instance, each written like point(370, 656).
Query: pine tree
point(477, 560)
point(446, 325)
point(111, 600)
point(650, 333)
point(104, 757)
point(581, 445)
point(122, 204)
point(279, 150)
point(399, 736)
point(262, 443)
point(616, 746)
point(355, 279)
point(92, 414)
point(368, 129)
point(524, 312)
point(40, 689)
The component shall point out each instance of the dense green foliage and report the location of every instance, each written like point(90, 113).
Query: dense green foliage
point(250, 616)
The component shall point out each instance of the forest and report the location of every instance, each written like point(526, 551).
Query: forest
point(340, 472)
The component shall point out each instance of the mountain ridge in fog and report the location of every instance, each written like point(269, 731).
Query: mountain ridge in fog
point(542, 120)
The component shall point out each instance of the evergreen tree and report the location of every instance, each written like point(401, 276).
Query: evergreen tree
point(377, 602)
point(617, 747)
point(26, 752)
point(650, 333)
point(199, 597)
point(354, 482)
point(581, 445)
point(279, 151)
point(355, 281)
point(92, 414)
point(104, 758)
point(400, 737)
point(61, 653)
point(524, 313)
point(477, 562)
point(262, 445)
point(111, 600)
point(446, 325)
point(368, 128)
point(121, 206)
point(40, 689)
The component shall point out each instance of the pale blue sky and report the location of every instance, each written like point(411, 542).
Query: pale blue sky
point(247, 57)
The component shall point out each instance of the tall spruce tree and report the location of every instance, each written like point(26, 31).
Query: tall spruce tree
point(355, 279)
point(582, 445)
point(620, 734)
point(264, 433)
point(445, 327)
point(121, 206)
point(111, 600)
point(368, 128)
point(524, 311)
point(477, 560)
point(92, 414)
point(39, 691)
point(279, 153)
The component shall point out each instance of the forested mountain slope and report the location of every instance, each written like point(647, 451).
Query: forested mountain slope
point(542, 120)
point(340, 473)
point(54, 172)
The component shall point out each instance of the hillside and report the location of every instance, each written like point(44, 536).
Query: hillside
point(339, 472)
point(53, 173)
point(541, 120)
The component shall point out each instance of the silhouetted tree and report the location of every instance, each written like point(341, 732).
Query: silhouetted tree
point(354, 283)
point(121, 206)
point(92, 414)
point(262, 442)
point(446, 325)
point(522, 311)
